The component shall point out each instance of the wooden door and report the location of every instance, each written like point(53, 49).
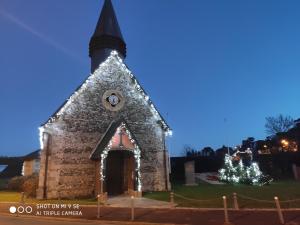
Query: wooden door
point(129, 173)
point(115, 173)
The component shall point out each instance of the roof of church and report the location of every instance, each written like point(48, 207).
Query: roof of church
point(108, 33)
point(110, 132)
point(108, 23)
point(114, 55)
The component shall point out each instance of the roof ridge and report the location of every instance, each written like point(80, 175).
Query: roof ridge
point(113, 55)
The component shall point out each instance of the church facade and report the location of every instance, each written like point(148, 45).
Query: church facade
point(108, 136)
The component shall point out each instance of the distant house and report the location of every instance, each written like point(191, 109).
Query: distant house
point(288, 141)
point(10, 167)
point(18, 166)
point(31, 163)
point(297, 122)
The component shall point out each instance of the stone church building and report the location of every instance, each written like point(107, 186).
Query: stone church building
point(108, 136)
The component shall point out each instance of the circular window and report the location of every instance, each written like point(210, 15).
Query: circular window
point(113, 100)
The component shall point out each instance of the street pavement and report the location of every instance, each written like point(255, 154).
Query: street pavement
point(13, 220)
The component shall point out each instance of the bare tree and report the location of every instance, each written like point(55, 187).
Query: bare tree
point(207, 151)
point(278, 124)
point(189, 151)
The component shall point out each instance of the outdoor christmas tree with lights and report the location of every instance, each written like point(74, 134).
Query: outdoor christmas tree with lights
point(234, 171)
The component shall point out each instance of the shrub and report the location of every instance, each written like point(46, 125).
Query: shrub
point(27, 184)
point(30, 185)
point(15, 184)
point(3, 184)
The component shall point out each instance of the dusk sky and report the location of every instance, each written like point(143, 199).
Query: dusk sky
point(215, 69)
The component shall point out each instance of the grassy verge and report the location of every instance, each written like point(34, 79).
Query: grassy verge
point(213, 195)
point(9, 196)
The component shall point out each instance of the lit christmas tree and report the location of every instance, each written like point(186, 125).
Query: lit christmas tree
point(236, 172)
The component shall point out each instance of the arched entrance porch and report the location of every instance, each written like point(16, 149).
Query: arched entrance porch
point(118, 167)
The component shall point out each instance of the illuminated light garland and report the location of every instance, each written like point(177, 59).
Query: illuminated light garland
point(247, 151)
point(169, 133)
point(102, 67)
point(136, 153)
point(240, 173)
point(41, 133)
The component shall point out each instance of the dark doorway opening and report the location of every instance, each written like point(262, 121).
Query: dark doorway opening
point(120, 174)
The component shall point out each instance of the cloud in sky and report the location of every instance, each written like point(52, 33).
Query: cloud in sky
point(39, 35)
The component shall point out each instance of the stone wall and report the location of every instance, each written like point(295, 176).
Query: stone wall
point(82, 123)
point(30, 167)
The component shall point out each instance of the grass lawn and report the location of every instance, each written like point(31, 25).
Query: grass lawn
point(283, 190)
point(10, 196)
point(212, 194)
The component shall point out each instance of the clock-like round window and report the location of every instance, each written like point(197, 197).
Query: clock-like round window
point(113, 100)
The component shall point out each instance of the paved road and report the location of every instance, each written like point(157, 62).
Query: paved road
point(13, 220)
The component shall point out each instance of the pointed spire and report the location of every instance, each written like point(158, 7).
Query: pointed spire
point(107, 34)
point(108, 23)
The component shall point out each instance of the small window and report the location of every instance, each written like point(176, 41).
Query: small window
point(2, 167)
point(36, 166)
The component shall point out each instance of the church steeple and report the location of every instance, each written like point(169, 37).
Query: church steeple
point(107, 37)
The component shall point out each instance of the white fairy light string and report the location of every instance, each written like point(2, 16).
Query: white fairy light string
point(114, 56)
point(240, 173)
point(136, 153)
point(41, 132)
